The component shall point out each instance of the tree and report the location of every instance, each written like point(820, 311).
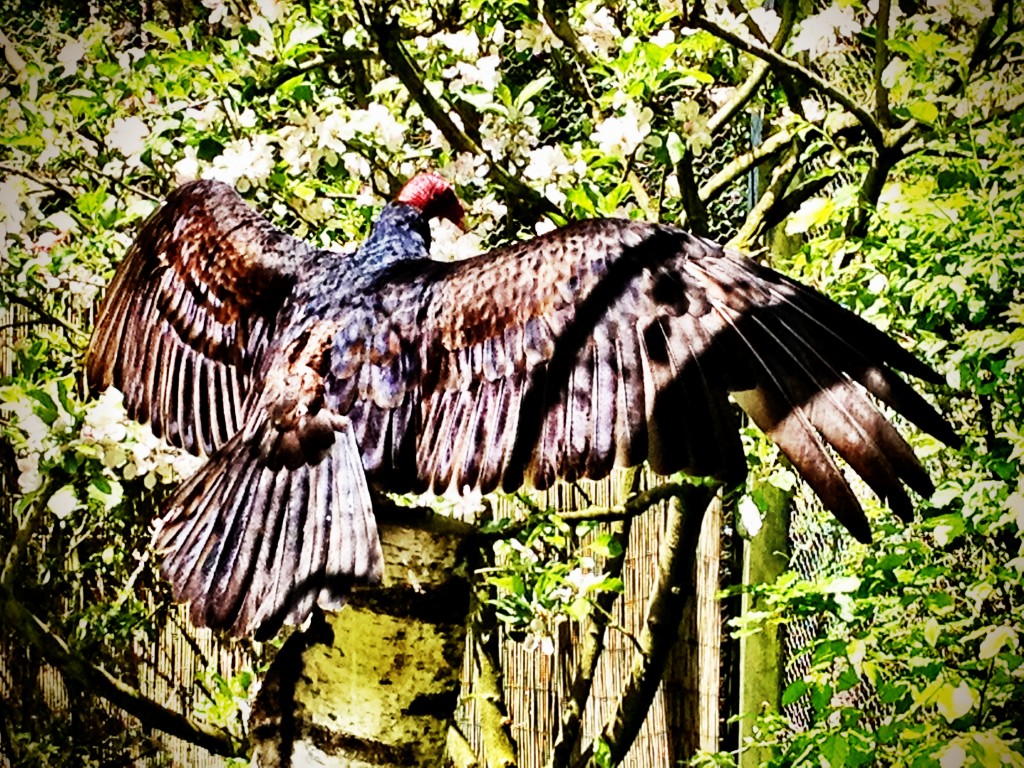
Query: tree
point(882, 138)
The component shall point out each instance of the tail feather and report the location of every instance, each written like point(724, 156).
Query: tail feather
point(253, 547)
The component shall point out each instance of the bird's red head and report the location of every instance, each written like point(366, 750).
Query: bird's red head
point(435, 197)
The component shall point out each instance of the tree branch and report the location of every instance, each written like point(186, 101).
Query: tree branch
point(870, 191)
point(881, 61)
point(591, 647)
point(44, 316)
point(745, 92)
point(754, 48)
point(556, 14)
point(54, 480)
point(742, 164)
point(782, 175)
point(499, 748)
point(71, 664)
point(676, 558)
point(99, 681)
point(42, 181)
point(460, 751)
point(693, 204)
point(636, 505)
point(329, 59)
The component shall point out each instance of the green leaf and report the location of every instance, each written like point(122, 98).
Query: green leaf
point(996, 640)
point(835, 749)
point(304, 31)
point(794, 691)
point(606, 545)
point(811, 214)
point(47, 409)
point(841, 585)
point(531, 89)
point(924, 111)
point(955, 702)
point(676, 147)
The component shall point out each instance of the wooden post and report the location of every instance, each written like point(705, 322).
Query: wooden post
point(375, 684)
point(764, 558)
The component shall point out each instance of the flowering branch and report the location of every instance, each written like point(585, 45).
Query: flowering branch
point(556, 14)
point(745, 92)
point(754, 48)
point(386, 34)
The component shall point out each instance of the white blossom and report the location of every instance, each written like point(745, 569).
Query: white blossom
point(484, 73)
point(128, 136)
point(70, 56)
point(207, 116)
point(464, 43)
point(29, 477)
point(251, 159)
point(820, 32)
point(813, 110)
point(544, 226)
point(598, 33)
point(664, 37)
point(536, 37)
point(63, 502)
point(187, 168)
point(767, 21)
point(953, 756)
point(247, 119)
point(105, 418)
point(621, 135)
point(547, 162)
point(449, 243)
point(356, 165)
point(271, 10)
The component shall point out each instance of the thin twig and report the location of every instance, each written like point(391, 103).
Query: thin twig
point(881, 61)
point(44, 315)
point(43, 181)
point(29, 523)
point(98, 172)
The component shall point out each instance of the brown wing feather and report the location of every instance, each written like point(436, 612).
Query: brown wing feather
point(188, 312)
point(610, 342)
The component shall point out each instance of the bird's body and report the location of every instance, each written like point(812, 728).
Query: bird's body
point(306, 375)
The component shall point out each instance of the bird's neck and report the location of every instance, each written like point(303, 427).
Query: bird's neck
point(400, 233)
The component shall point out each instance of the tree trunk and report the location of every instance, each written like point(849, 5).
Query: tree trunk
point(375, 684)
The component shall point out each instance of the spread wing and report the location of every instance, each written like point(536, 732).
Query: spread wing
point(610, 342)
point(188, 313)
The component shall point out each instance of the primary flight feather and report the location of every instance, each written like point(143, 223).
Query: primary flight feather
point(305, 375)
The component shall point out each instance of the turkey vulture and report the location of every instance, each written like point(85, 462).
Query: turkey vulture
point(304, 375)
